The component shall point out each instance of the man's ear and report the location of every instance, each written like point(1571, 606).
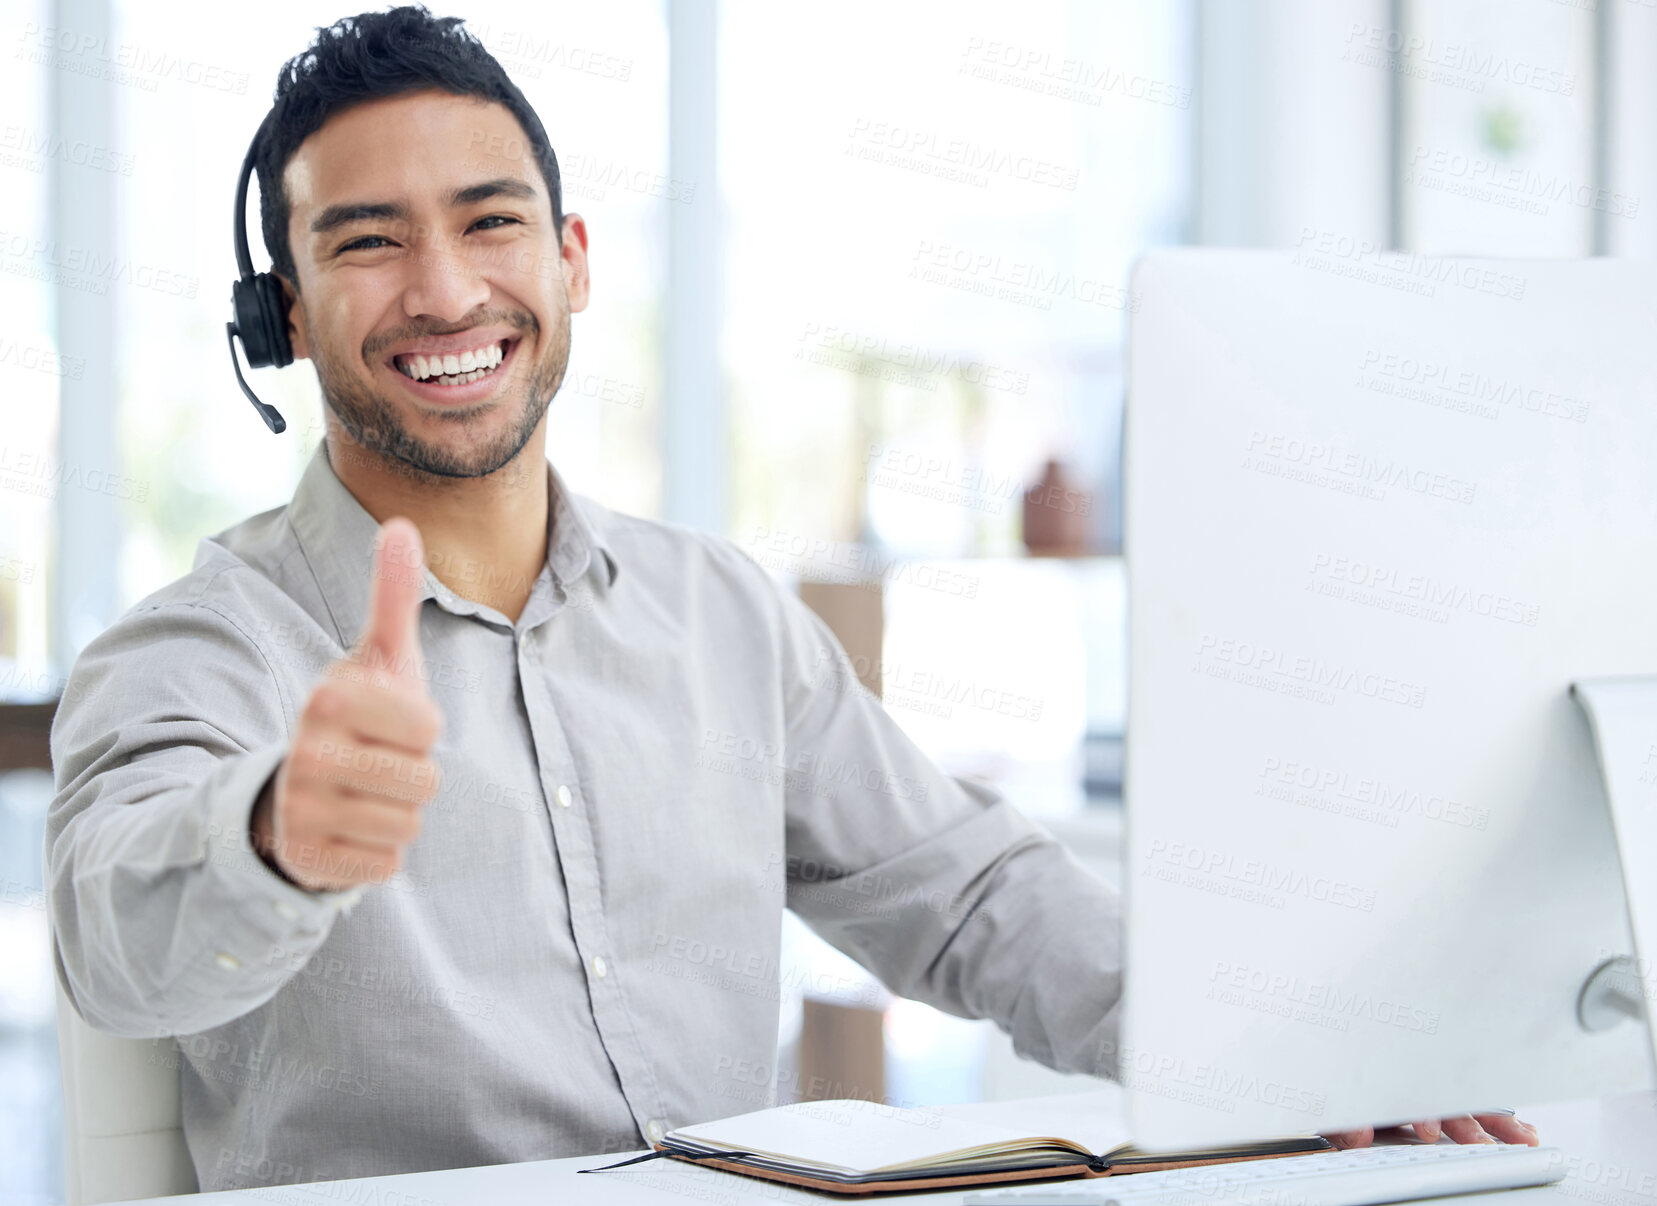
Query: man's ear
point(296, 320)
point(574, 265)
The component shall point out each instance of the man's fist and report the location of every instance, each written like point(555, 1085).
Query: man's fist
point(345, 803)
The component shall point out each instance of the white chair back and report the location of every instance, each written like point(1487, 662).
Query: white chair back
point(123, 1135)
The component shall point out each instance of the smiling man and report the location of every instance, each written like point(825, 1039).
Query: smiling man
point(447, 817)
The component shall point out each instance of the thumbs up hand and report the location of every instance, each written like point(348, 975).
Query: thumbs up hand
point(345, 803)
point(390, 639)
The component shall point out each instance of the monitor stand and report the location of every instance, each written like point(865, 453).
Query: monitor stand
point(1622, 715)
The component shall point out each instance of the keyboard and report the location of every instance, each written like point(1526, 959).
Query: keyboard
point(1365, 1176)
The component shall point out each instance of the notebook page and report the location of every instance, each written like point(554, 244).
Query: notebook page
point(1094, 1120)
point(850, 1136)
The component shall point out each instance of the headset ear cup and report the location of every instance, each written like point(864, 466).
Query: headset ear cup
point(273, 310)
point(250, 299)
point(244, 302)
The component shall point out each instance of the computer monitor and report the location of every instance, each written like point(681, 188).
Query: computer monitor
point(1381, 511)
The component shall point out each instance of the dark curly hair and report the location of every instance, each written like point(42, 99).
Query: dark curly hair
point(367, 57)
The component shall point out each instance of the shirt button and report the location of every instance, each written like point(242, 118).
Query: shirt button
point(227, 961)
point(600, 968)
point(655, 1130)
point(564, 796)
point(285, 911)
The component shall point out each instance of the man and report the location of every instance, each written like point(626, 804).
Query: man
point(409, 807)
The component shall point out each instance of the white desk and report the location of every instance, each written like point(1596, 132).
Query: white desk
point(1611, 1144)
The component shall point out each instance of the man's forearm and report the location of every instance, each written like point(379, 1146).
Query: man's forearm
point(991, 919)
point(166, 919)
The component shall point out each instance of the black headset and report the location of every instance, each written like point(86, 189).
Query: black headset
point(260, 316)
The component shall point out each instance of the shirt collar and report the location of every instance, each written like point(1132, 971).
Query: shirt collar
point(336, 536)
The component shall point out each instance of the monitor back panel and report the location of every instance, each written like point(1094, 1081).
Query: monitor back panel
point(1379, 513)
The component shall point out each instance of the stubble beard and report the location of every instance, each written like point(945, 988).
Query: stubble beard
point(373, 423)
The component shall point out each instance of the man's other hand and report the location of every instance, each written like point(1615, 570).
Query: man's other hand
point(345, 803)
point(1467, 1128)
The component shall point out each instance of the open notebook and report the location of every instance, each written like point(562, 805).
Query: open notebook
point(863, 1146)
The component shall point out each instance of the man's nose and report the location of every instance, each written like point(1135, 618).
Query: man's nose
point(444, 281)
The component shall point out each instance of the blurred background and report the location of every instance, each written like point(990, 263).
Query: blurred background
point(861, 276)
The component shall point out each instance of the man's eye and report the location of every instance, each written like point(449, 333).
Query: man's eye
point(364, 243)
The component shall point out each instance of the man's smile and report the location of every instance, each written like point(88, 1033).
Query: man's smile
point(454, 369)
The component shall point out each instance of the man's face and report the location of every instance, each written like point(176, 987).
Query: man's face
point(420, 225)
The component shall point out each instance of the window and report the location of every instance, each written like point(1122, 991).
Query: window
point(31, 363)
point(931, 215)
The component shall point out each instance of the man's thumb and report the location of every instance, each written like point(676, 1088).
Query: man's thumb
point(391, 638)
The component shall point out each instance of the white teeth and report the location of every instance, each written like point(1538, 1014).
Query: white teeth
point(469, 365)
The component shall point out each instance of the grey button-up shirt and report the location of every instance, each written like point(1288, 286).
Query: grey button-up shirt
point(662, 753)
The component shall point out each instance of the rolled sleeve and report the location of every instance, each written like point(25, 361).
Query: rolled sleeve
point(939, 885)
point(165, 919)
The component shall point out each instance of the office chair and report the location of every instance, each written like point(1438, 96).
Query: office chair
point(123, 1135)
